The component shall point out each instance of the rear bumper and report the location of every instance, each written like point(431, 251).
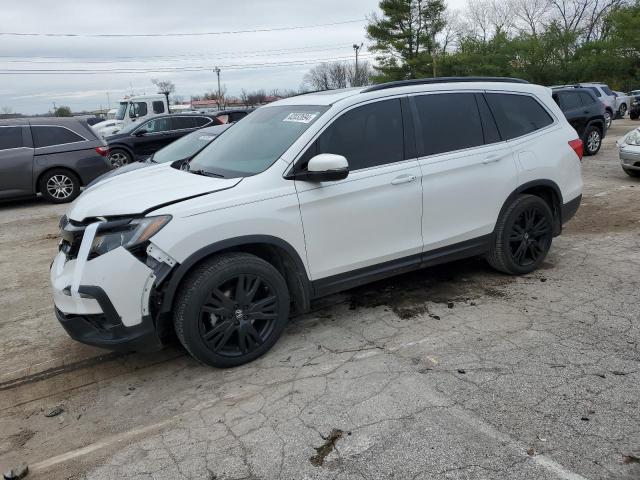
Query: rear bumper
point(570, 208)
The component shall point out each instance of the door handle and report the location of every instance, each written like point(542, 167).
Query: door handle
point(491, 159)
point(403, 179)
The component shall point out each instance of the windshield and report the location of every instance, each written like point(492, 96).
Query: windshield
point(121, 110)
point(184, 147)
point(255, 143)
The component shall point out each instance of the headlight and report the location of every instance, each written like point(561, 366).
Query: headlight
point(633, 138)
point(126, 233)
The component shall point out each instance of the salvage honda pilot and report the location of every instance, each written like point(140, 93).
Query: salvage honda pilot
point(312, 195)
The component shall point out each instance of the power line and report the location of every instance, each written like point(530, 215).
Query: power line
point(172, 69)
point(198, 55)
point(172, 58)
point(182, 34)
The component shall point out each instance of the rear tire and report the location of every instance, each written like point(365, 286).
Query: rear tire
point(231, 309)
point(631, 173)
point(592, 140)
point(119, 157)
point(523, 236)
point(59, 186)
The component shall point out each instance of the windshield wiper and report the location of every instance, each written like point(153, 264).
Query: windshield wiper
point(206, 173)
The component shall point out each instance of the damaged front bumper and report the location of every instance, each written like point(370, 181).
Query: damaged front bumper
point(106, 301)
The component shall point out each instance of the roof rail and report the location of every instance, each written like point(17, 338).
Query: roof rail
point(427, 81)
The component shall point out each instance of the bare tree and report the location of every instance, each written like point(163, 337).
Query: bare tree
point(165, 87)
point(319, 77)
point(361, 76)
point(6, 111)
point(452, 32)
point(244, 97)
point(479, 22)
point(531, 15)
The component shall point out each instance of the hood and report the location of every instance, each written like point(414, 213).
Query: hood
point(119, 171)
point(141, 190)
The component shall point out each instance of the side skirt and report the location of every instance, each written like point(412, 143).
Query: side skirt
point(362, 276)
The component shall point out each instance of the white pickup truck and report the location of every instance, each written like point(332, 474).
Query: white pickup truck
point(132, 109)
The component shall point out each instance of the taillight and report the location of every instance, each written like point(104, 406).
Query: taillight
point(104, 151)
point(578, 147)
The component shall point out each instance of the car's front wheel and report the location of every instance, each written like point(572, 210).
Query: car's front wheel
point(231, 309)
point(59, 186)
point(592, 140)
point(634, 115)
point(523, 236)
point(631, 173)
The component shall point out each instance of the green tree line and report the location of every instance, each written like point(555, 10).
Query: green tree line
point(543, 41)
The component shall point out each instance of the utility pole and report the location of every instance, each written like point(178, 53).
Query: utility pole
point(217, 71)
point(356, 78)
point(108, 101)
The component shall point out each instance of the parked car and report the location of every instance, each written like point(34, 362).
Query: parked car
point(51, 156)
point(585, 113)
point(622, 103)
point(629, 151)
point(634, 108)
point(140, 141)
point(604, 94)
point(232, 116)
point(311, 195)
point(178, 151)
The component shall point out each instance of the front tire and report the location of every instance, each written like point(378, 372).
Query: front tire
point(622, 111)
point(631, 173)
point(608, 118)
point(59, 186)
point(231, 310)
point(592, 140)
point(523, 236)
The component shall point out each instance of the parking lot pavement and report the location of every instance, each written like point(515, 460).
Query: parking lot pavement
point(454, 372)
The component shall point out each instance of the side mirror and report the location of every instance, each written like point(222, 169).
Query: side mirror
point(325, 167)
point(140, 133)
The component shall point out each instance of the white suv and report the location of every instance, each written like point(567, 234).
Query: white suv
point(312, 195)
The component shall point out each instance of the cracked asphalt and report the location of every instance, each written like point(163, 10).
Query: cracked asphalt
point(454, 372)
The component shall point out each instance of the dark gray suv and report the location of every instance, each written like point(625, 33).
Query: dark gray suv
point(51, 156)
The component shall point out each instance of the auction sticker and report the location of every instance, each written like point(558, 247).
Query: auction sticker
point(300, 117)
point(206, 137)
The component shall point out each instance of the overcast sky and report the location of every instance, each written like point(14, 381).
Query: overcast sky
point(237, 54)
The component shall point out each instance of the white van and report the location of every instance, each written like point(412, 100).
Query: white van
point(131, 110)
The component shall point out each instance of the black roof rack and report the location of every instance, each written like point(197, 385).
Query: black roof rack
point(426, 81)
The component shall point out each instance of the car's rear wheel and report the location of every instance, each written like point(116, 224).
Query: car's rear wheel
point(607, 119)
point(631, 173)
point(119, 157)
point(231, 309)
point(592, 140)
point(523, 236)
point(59, 186)
point(622, 111)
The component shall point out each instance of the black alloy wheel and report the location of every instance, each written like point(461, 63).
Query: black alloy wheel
point(231, 309)
point(530, 236)
point(239, 315)
point(522, 236)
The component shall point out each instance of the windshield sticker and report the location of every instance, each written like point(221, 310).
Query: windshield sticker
point(300, 117)
point(206, 137)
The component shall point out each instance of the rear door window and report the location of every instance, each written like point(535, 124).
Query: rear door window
point(10, 137)
point(183, 123)
point(157, 125)
point(448, 122)
point(587, 99)
point(48, 135)
point(569, 101)
point(517, 115)
point(201, 121)
point(366, 136)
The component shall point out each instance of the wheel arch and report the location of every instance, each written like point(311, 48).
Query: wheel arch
point(546, 189)
point(40, 176)
point(124, 147)
point(273, 250)
point(597, 123)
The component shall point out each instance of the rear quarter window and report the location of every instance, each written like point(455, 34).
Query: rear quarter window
point(517, 115)
point(10, 137)
point(48, 135)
